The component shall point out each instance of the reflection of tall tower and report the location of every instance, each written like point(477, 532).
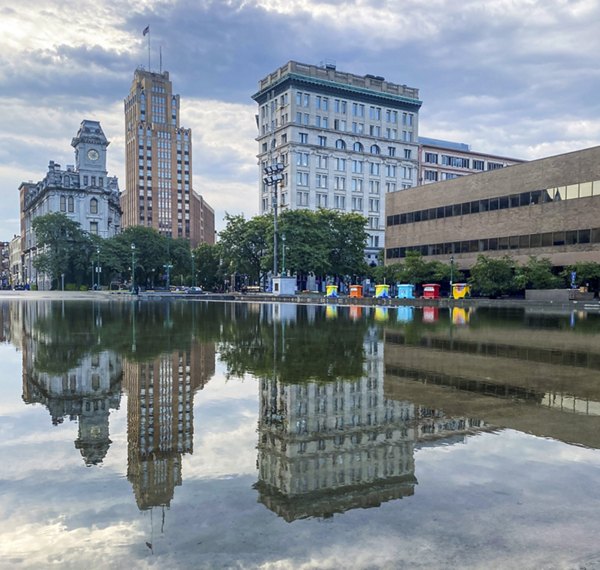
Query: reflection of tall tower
point(160, 419)
point(85, 393)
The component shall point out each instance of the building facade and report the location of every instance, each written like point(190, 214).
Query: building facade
point(15, 264)
point(345, 141)
point(547, 207)
point(84, 192)
point(158, 186)
point(445, 160)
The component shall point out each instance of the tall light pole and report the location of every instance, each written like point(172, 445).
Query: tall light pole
point(98, 269)
point(283, 254)
point(193, 271)
point(451, 274)
point(273, 176)
point(133, 268)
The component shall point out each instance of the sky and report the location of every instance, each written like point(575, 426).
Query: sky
point(517, 78)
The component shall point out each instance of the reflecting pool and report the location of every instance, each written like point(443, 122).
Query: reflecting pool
point(196, 434)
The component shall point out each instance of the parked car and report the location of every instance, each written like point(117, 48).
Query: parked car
point(195, 290)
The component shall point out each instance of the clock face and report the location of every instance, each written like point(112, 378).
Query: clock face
point(93, 154)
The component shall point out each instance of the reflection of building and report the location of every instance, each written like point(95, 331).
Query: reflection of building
point(85, 394)
point(545, 382)
point(546, 207)
point(160, 419)
point(83, 192)
point(325, 448)
point(158, 190)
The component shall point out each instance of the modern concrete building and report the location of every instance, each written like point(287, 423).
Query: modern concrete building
point(158, 181)
point(548, 208)
point(445, 160)
point(84, 192)
point(345, 140)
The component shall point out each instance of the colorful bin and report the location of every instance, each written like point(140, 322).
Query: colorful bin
point(431, 291)
point(406, 291)
point(331, 291)
point(356, 291)
point(382, 291)
point(461, 290)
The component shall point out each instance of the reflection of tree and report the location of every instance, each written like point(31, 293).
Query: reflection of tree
point(294, 351)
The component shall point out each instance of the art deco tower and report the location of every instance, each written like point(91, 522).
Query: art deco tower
point(158, 191)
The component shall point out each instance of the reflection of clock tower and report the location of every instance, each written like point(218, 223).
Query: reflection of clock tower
point(90, 146)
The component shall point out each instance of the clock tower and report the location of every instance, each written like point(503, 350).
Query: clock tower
point(90, 146)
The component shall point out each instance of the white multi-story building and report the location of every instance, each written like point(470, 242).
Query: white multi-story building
point(344, 139)
point(84, 192)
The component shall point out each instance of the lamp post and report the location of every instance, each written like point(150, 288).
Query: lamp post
point(168, 268)
point(451, 273)
point(273, 176)
point(133, 268)
point(283, 254)
point(98, 270)
point(193, 271)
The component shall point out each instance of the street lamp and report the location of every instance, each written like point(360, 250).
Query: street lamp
point(193, 271)
point(283, 254)
point(451, 273)
point(98, 269)
point(273, 176)
point(168, 268)
point(133, 268)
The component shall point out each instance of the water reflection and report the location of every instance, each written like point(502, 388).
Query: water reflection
point(347, 395)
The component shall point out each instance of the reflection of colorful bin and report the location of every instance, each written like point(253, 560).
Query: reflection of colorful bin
point(382, 291)
point(331, 291)
point(460, 316)
point(406, 291)
point(430, 314)
point(405, 314)
point(381, 314)
point(431, 291)
point(355, 312)
point(356, 291)
point(461, 290)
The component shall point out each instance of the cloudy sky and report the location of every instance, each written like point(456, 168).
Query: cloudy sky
point(512, 77)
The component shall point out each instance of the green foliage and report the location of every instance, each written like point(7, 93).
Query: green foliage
point(207, 266)
point(71, 287)
point(588, 273)
point(537, 274)
point(64, 248)
point(492, 277)
point(417, 271)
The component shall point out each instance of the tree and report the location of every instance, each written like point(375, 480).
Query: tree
point(346, 241)
point(207, 265)
point(492, 277)
point(65, 248)
point(586, 273)
point(244, 245)
point(537, 274)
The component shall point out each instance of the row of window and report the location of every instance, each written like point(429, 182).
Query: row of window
point(526, 241)
point(556, 194)
point(67, 204)
point(322, 200)
point(460, 161)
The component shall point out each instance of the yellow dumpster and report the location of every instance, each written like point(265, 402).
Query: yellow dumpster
point(382, 291)
point(331, 291)
point(461, 290)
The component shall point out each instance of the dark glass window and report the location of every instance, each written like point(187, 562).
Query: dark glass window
point(524, 241)
point(432, 213)
point(465, 208)
point(502, 243)
point(536, 197)
point(571, 237)
point(513, 242)
point(535, 240)
point(440, 212)
point(493, 204)
point(448, 211)
point(558, 238)
point(410, 217)
point(584, 236)
point(456, 210)
point(474, 246)
point(503, 202)
point(484, 205)
point(515, 201)
point(402, 218)
point(475, 207)
point(547, 239)
point(417, 216)
point(596, 235)
point(424, 215)
point(493, 244)
point(483, 245)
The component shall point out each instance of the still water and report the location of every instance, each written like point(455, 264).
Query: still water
point(198, 434)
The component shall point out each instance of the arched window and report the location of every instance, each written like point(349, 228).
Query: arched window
point(340, 144)
point(71, 204)
point(66, 181)
point(63, 203)
point(358, 147)
point(93, 206)
point(375, 149)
